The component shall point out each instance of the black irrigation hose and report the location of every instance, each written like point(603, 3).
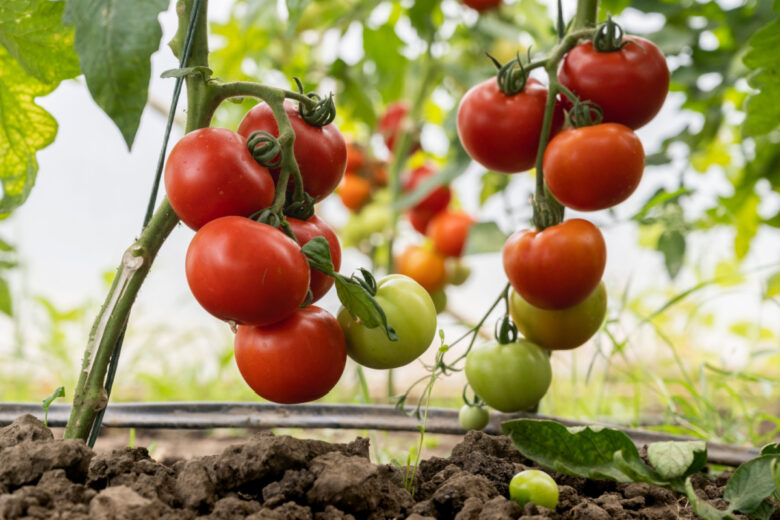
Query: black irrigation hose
point(206, 415)
point(185, 57)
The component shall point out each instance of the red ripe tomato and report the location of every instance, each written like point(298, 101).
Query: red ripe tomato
point(630, 84)
point(558, 267)
point(482, 5)
point(390, 123)
point(594, 167)
point(210, 174)
point(437, 199)
point(355, 158)
point(420, 219)
point(247, 272)
point(305, 230)
point(502, 132)
point(449, 231)
point(321, 152)
point(424, 266)
point(296, 360)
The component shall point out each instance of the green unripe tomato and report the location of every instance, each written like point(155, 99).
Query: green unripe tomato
point(409, 310)
point(534, 486)
point(511, 377)
point(457, 272)
point(560, 329)
point(439, 298)
point(473, 417)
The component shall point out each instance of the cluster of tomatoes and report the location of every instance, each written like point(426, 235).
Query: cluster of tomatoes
point(612, 85)
point(250, 273)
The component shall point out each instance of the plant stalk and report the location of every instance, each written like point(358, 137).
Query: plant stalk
point(90, 396)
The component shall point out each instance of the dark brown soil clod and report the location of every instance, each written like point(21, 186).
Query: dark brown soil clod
point(272, 477)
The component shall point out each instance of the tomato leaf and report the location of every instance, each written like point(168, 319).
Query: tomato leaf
point(204, 72)
point(701, 507)
point(356, 294)
point(492, 183)
point(771, 449)
point(751, 484)
point(772, 286)
point(5, 298)
point(588, 451)
point(763, 111)
point(484, 237)
point(677, 459)
point(672, 244)
point(115, 41)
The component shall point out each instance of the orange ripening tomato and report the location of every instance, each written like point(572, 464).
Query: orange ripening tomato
point(424, 266)
point(594, 167)
point(354, 191)
point(558, 267)
point(355, 158)
point(449, 231)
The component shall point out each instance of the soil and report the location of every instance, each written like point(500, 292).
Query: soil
point(271, 477)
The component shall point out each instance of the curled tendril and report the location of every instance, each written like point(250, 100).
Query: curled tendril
point(322, 113)
point(585, 113)
point(265, 148)
point(477, 402)
point(301, 209)
point(506, 331)
point(512, 77)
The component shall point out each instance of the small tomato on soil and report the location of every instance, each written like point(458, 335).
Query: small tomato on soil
point(473, 417)
point(533, 485)
point(409, 310)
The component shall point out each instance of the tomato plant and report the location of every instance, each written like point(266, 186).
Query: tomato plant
point(560, 329)
point(305, 230)
point(501, 132)
point(473, 417)
point(594, 167)
point(210, 174)
point(424, 266)
point(628, 83)
point(533, 485)
point(295, 360)
point(558, 267)
point(449, 230)
point(409, 310)
point(321, 152)
point(245, 271)
point(509, 377)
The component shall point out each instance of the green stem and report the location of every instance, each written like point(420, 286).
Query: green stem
point(274, 97)
point(587, 12)
point(90, 396)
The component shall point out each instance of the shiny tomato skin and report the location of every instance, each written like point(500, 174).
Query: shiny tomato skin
point(509, 377)
point(210, 174)
point(630, 85)
point(563, 329)
point(449, 231)
point(409, 310)
point(482, 5)
point(305, 230)
point(437, 199)
point(321, 152)
point(296, 360)
point(502, 132)
point(247, 272)
point(556, 268)
point(594, 167)
point(424, 266)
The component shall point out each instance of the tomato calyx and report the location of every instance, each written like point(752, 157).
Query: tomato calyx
point(548, 211)
point(265, 148)
point(512, 75)
point(302, 209)
point(322, 113)
point(506, 331)
point(609, 37)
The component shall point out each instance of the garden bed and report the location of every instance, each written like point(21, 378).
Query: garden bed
point(280, 477)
